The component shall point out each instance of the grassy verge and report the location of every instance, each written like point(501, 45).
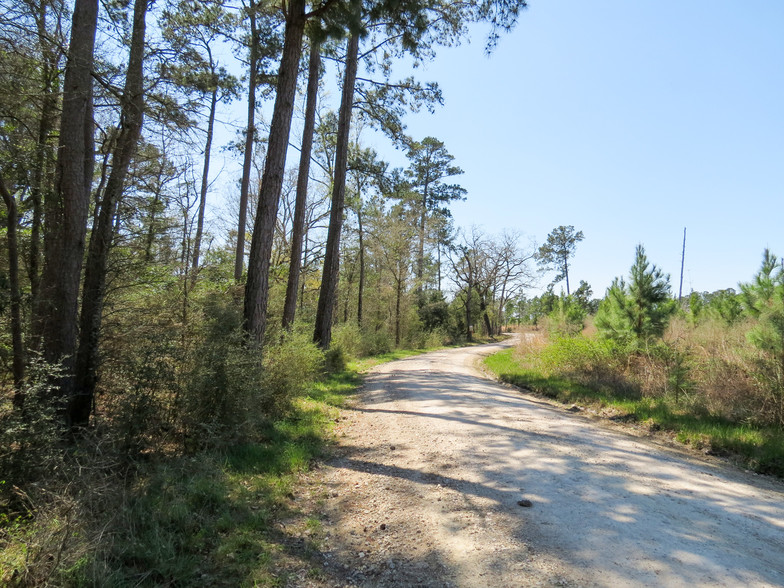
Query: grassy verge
point(760, 449)
point(209, 519)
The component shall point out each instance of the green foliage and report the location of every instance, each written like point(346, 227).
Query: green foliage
point(555, 253)
point(434, 311)
point(696, 307)
point(640, 311)
point(235, 386)
point(583, 297)
point(725, 305)
point(201, 519)
point(31, 438)
point(764, 299)
point(615, 381)
point(568, 318)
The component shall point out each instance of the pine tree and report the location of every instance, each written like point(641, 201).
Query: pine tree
point(640, 310)
point(559, 247)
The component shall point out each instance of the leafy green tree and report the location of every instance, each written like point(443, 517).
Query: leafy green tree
point(640, 310)
point(559, 247)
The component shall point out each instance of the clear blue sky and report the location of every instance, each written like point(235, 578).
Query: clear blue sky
point(629, 119)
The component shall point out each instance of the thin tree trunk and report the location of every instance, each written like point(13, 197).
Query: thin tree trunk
point(485, 316)
point(150, 238)
point(302, 282)
point(298, 229)
point(204, 184)
point(420, 265)
point(55, 319)
point(257, 285)
point(326, 302)
point(469, 333)
point(94, 291)
point(438, 246)
point(42, 167)
point(361, 286)
point(398, 296)
point(250, 133)
point(18, 364)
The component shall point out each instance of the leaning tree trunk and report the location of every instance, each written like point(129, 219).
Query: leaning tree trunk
point(204, 184)
point(257, 285)
point(94, 291)
point(250, 133)
point(55, 319)
point(329, 280)
point(18, 364)
point(298, 230)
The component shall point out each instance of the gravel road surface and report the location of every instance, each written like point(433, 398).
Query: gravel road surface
point(446, 478)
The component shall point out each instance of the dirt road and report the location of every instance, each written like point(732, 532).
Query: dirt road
point(434, 459)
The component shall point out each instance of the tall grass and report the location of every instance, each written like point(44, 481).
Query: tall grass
point(701, 383)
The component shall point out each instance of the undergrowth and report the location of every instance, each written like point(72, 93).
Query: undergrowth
point(199, 519)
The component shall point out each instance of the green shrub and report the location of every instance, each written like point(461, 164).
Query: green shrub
point(600, 364)
point(31, 438)
point(375, 342)
point(568, 317)
point(287, 369)
point(348, 338)
point(234, 386)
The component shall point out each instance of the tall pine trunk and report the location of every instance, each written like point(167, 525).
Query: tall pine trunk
point(257, 285)
point(55, 318)
point(94, 291)
point(329, 280)
point(250, 133)
point(18, 363)
point(43, 158)
point(205, 173)
point(298, 229)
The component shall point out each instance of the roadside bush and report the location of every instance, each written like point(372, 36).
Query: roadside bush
point(375, 342)
point(568, 317)
point(348, 338)
point(233, 386)
point(287, 369)
point(602, 365)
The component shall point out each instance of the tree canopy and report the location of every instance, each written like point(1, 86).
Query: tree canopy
point(555, 253)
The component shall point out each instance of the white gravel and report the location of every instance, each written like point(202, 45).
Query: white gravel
point(434, 458)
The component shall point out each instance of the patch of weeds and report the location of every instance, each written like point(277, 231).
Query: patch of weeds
point(760, 449)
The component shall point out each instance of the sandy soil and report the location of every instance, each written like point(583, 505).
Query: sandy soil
point(434, 460)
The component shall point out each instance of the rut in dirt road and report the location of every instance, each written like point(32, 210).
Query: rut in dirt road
point(434, 459)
